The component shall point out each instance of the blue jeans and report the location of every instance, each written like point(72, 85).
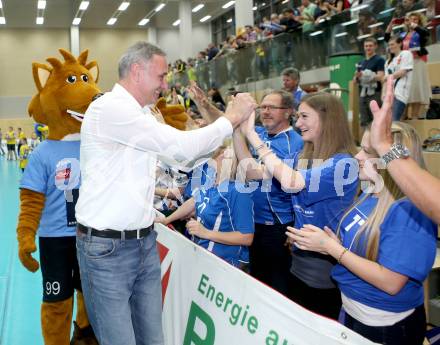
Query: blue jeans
point(122, 288)
point(398, 109)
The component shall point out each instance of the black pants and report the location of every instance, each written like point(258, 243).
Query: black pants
point(270, 259)
point(326, 302)
point(409, 331)
point(59, 267)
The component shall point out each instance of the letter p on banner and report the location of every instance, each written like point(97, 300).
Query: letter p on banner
point(191, 337)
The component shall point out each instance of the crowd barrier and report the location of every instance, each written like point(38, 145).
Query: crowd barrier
point(206, 301)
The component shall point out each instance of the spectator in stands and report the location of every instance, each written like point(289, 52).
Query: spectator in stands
point(212, 51)
point(10, 144)
point(369, 74)
point(337, 6)
point(415, 182)
point(307, 16)
point(327, 153)
point(289, 21)
point(251, 34)
point(270, 259)
point(322, 11)
point(216, 98)
point(411, 5)
point(415, 39)
point(223, 223)
point(385, 249)
point(2, 152)
point(399, 65)
point(291, 79)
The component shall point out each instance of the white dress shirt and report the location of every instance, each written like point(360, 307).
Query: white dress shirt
point(120, 143)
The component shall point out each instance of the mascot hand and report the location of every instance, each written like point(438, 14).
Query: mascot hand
point(32, 204)
point(174, 115)
point(26, 246)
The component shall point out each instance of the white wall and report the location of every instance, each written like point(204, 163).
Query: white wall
point(169, 41)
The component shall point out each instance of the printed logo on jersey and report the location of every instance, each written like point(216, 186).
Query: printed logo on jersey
point(67, 174)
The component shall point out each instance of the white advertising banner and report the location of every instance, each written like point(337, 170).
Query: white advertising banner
point(206, 301)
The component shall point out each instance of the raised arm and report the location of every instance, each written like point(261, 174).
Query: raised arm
point(289, 178)
point(416, 183)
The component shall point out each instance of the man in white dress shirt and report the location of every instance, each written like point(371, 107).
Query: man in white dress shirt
point(120, 142)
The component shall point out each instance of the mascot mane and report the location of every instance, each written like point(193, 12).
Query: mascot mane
point(64, 92)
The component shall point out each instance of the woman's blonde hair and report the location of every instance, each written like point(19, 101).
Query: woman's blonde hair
point(370, 230)
point(422, 19)
point(229, 164)
point(335, 136)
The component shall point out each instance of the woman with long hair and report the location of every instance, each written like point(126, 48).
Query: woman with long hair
point(322, 185)
point(385, 248)
point(399, 65)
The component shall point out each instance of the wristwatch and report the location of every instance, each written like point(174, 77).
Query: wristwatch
point(396, 151)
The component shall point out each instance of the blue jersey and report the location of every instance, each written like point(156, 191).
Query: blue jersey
point(272, 204)
point(329, 190)
point(54, 170)
point(223, 208)
point(202, 177)
point(407, 245)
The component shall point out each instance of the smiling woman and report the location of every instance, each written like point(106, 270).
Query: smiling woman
point(328, 147)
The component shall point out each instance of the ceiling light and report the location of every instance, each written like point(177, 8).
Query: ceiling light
point(41, 5)
point(198, 8)
point(83, 5)
point(381, 38)
point(228, 4)
point(254, 8)
point(143, 21)
point(361, 37)
point(284, 1)
point(123, 6)
point(358, 8)
point(375, 25)
point(158, 8)
point(229, 20)
point(40, 20)
point(341, 34)
point(354, 21)
point(177, 22)
point(112, 20)
point(1, 5)
point(76, 21)
point(386, 11)
point(205, 18)
point(316, 33)
point(2, 20)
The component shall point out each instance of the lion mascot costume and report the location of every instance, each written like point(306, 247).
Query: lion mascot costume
point(49, 190)
point(50, 187)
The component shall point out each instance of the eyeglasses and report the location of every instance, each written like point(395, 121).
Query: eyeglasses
point(269, 107)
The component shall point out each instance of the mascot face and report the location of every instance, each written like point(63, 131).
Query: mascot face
point(65, 91)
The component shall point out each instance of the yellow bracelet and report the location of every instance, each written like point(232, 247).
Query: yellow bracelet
point(342, 254)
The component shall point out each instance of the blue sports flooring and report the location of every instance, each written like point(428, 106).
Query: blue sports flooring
point(20, 290)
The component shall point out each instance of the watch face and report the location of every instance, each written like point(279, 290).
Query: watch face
point(401, 150)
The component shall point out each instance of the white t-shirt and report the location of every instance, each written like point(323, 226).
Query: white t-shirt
point(402, 85)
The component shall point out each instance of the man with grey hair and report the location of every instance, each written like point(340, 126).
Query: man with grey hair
point(120, 143)
point(291, 78)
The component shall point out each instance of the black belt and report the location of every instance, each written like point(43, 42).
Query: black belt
point(128, 234)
